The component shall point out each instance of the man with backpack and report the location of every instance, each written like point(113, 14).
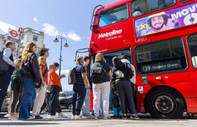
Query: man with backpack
point(6, 76)
point(79, 88)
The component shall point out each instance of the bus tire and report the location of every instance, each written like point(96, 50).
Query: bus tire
point(165, 103)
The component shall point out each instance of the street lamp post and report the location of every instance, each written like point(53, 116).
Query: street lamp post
point(65, 45)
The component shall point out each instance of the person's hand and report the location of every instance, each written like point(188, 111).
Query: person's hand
point(43, 83)
point(16, 67)
point(36, 84)
point(115, 92)
point(63, 76)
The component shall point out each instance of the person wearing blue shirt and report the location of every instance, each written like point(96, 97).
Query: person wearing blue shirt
point(79, 88)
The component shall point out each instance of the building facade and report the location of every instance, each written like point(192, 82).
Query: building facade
point(29, 35)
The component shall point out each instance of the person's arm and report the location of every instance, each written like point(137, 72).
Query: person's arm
point(35, 67)
point(87, 81)
point(6, 57)
point(110, 74)
point(83, 75)
point(113, 76)
point(84, 78)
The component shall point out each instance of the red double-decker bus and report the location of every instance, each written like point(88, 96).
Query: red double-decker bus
point(160, 38)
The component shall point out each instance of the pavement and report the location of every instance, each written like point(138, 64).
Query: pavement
point(145, 121)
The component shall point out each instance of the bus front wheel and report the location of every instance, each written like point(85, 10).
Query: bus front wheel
point(165, 103)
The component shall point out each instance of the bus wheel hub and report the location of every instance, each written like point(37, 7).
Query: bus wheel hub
point(164, 104)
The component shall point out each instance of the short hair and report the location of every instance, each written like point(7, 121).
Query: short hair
point(79, 59)
point(124, 57)
point(86, 58)
point(99, 58)
point(42, 51)
point(56, 64)
point(115, 59)
point(8, 43)
point(165, 18)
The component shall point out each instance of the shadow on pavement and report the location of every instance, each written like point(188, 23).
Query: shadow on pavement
point(26, 123)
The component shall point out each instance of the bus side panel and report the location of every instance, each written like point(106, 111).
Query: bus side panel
point(185, 83)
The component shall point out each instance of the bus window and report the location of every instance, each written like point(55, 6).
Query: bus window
point(114, 15)
point(109, 56)
point(192, 42)
point(139, 7)
point(165, 55)
point(182, 1)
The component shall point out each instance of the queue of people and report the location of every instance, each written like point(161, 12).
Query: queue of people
point(31, 81)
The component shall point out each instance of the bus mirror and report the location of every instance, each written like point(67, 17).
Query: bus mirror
point(94, 27)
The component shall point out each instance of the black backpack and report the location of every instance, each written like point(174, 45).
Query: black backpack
point(72, 76)
point(129, 70)
point(3, 65)
point(98, 74)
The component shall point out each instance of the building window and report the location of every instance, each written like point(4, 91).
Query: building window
point(22, 36)
point(161, 56)
point(35, 38)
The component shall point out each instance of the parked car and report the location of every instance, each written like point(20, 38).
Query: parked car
point(65, 99)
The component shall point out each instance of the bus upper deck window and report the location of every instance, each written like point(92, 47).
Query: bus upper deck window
point(182, 1)
point(114, 15)
point(147, 6)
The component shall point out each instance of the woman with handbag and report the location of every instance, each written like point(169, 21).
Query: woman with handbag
point(101, 85)
point(30, 77)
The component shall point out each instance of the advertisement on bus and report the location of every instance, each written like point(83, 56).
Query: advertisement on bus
point(166, 20)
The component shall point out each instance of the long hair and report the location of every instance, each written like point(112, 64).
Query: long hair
point(99, 58)
point(27, 49)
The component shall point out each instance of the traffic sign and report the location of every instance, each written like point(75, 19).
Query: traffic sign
point(13, 34)
point(20, 30)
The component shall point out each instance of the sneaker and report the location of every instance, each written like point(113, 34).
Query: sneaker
point(77, 117)
point(73, 117)
point(13, 117)
point(38, 117)
point(131, 117)
point(52, 117)
point(89, 117)
point(96, 118)
point(105, 118)
point(135, 117)
point(60, 115)
point(124, 117)
point(31, 118)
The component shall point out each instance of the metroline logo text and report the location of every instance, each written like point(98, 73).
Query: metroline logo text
point(109, 34)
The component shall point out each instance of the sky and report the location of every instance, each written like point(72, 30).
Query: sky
point(68, 18)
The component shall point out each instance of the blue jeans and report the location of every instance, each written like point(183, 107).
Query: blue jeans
point(29, 94)
point(85, 111)
point(79, 93)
